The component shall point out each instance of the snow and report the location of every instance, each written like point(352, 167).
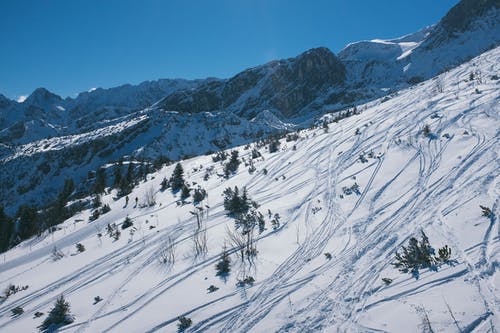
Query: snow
point(408, 183)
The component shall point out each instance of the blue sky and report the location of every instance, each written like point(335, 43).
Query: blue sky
point(68, 46)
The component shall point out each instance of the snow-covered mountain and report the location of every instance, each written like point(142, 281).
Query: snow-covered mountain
point(44, 114)
point(348, 197)
point(46, 138)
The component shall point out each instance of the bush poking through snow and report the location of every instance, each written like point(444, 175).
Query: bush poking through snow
point(249, 280)
point(199, 195)
point(274, 145)
point(127, 223)
point(212, 289)
point(164, 184)
point(223, 267)
point(275, 222)
point(486, 211)
point(233, 164)
point(444, 254)
point(419, 254)
point(17, 311)
point(387, 281)
point(80, 248)
point(37, 314)
point(113, 232)
point(167, 252)
point(185, 192)
point(58, 316)
point(56, 254)
point(11, 290)
point(184, 323)
point(426, 130)
point(105, 209)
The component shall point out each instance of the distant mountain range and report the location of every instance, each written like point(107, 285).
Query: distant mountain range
point(46, 138)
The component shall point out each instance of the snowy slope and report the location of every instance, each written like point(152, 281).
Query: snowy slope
point(407, 182)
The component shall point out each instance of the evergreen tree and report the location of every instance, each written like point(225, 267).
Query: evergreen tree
point(164, 184)
point(100, 181)
point(58, 316)
point(185, 192)
point(233, 164)
point(199, 195)
point(224, 265)
point(68, 188)
point(274, 145)
point(28, 224)
point(117, 174)
point(417, 255)
point(127, 223)
point(6, 230)
point(129, 177)
point(177, 179)
point(184, 323)
point(235, 203)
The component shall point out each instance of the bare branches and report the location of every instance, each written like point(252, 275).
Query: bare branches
point(167, 251)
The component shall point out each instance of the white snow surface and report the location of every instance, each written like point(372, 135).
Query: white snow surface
point(409, 183)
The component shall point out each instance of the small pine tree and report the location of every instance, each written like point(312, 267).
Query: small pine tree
point(199, 195)
point(177, 179)
point(275, 222)
point(426, 130)
point(444, 254)
point(127, 223)
point(100, 181)
point(233, 164)
point(274, 145)
point(418, 254)
point(80, 247)
point(96, 201)
point(223, 267)
point(185, 192)
point(486, 211)
point(255, 153)
point(58, 316)
point(184, 323)
point(164, 184)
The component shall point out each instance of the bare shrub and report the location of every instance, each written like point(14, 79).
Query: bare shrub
point(167, 252)
point(150, 196)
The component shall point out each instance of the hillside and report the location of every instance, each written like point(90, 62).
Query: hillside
point(47, 139)
point(348, 197)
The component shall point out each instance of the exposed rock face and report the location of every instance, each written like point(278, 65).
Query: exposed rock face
point(286, 86)
point(459, 18)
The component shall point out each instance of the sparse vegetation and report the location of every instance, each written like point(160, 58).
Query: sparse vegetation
point(223, 267)
point(184, 323)
point(486, 211)
point(17, 311)
point(419, 254)
point(127, 223)
point(56, 254)
point(233, 164)
point(177, 178)
point(58, 316)
point(80, 248)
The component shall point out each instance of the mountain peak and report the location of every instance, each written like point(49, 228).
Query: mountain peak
point(41, 96)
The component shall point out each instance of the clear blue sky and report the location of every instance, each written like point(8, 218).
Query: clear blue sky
point(70, 46)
